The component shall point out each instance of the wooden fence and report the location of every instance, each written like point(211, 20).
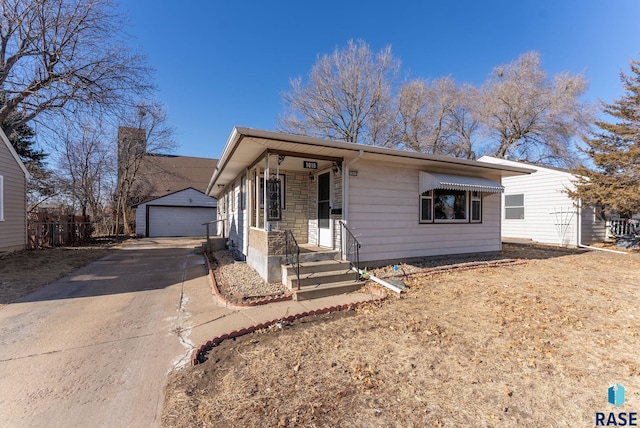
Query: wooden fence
point(46, 231)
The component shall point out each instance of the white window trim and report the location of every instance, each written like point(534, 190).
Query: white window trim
point(1, 198)
point(472, 199)
point(430, 197)
point(515, 206)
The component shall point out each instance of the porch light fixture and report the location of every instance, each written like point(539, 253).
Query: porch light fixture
point(336, 167)
point(312, 177)
point(220, 186)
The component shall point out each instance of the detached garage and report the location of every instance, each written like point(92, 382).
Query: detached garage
point(181, 213)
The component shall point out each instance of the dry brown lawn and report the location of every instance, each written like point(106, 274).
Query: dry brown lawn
point(534, 344)
point(24, 272)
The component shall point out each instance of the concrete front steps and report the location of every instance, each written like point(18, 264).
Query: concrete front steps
point(320, 279)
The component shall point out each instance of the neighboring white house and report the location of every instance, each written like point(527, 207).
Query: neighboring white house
point(13, 198)
point(536, 207)
point(180, 213)
point(399, 204)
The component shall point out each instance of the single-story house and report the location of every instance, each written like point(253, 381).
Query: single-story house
point(397, 204)
point(13, 198)
point(181, 213)
point(536, 207)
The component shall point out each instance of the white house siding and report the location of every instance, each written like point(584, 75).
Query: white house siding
point(544, 198)
point(13, 224)
point(383, 213)
point(236, 215)
point(185, 210)
point(593, 229)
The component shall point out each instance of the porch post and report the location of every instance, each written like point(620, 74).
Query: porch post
point(264, 193)
point(247, 206)
point(257, 197)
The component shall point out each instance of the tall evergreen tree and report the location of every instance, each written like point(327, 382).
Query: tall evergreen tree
point(614, 149)
point(22, 137)
point(22, 140)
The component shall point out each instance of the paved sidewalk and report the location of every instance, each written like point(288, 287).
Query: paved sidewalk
point(207, 317)
point(94, 348)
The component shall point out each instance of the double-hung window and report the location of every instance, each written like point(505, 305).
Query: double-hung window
point(514, 207)
point(426, 207)
point(476, 207)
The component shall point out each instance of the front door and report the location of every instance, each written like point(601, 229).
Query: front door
point(325, 227)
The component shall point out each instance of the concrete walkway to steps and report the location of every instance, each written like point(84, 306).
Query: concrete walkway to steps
point(210, 319)
point(95, 347)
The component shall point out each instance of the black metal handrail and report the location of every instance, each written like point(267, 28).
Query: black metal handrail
point(209, 223)
point(292, 254)
point(351, 248)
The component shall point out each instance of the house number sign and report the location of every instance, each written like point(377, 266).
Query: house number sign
point(310, 165)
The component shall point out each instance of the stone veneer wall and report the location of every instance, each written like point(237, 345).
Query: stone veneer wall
point(337, 190)
point(268, 243)
point(277, 242)
point(295, 214)
point(258, 240)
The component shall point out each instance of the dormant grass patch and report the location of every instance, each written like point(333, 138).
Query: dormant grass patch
point(533, 344)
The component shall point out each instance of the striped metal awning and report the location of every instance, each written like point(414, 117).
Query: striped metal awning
point(430, 181)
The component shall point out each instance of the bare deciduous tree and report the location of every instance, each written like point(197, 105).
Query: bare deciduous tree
point(464, 123)
point(145, 132)
point(348, 97)
point(435, 117)
point(519, 112)
point(527, 116)
point(57, 56)
point(86, 161)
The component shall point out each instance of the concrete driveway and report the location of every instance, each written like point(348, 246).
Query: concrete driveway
point(95, 348)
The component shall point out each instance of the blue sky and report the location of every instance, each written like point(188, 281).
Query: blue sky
point(222, 63)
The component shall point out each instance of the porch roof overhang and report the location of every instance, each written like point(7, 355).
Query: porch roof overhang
point(430, 181)
point(246, 146)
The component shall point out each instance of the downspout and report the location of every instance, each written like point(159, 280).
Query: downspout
point(345, 193)
point(345, 184)
point(579, 226)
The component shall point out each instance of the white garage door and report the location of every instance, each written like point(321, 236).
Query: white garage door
point(179, 221)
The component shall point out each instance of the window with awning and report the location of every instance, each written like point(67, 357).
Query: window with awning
point(431, 181)
point(447, 198)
